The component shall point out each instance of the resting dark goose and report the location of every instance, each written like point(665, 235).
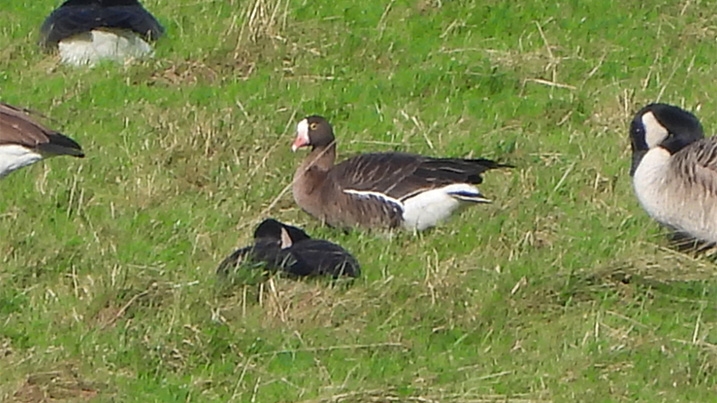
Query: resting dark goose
point(87, 31)
point(23, 141)
point(381, 190)
point(281, 247)
point(674, 170)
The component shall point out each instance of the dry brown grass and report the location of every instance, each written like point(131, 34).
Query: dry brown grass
point(63, 385)
point(264, 19)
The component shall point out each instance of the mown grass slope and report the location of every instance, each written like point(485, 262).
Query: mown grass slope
point(562, 290)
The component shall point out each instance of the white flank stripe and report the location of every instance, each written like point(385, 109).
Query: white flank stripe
point(378, 195)
point(90, 47)
point(13, 157)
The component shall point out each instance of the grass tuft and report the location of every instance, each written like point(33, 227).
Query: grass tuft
point(264, 19)
point(562, 289)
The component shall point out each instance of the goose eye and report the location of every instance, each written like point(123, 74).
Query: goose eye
point(313, 126)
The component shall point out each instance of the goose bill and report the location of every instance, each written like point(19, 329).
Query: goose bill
point(298, 143)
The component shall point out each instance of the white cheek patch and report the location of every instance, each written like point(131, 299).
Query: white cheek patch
point(655, 133)
point(286, 241)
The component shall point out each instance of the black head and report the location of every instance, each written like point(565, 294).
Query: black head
point(665, 126)
point(314, 131)
point(101, 3)
point(287, 235)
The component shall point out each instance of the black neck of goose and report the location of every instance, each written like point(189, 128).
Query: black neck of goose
point(674, 144)
point(103, 3)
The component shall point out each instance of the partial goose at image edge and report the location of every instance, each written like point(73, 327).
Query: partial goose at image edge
point(674, 171)
point(24, 141)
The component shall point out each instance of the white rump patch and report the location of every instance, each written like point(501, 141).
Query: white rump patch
point(427, 209)
point(13, 157)
point(655, 133)
point(117, 45)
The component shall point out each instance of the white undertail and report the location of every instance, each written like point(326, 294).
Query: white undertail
point(427, 209)
point(89, 48)
point(13, 157)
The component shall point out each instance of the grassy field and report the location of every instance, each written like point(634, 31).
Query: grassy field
point(563, 290)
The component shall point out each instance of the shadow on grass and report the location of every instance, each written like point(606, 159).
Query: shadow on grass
point(628, 283)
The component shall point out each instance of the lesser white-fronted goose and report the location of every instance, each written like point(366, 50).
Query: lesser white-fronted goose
point(281, 247)
point(381, 190)
point(23, 141)
point(87, 31)
point(674, 170)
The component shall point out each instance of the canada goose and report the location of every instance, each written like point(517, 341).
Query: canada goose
point(281, 247)
point(674, 170)
point(87, 31)
point(381, 190)
point(23, 141)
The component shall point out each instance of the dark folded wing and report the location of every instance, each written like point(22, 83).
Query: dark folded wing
point(399, 175)
point(446, 171)
point(385, 173)
point(233, 261)
point(59, 144)
point(16, 127)
point(67, 21)
point(319, 257)
point(265, 254)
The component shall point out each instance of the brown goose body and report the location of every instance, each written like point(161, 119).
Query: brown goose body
point(381, 190)
point(23, 141)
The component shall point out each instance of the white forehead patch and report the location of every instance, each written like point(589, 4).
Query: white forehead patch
point(302, 130)
point(655, 133)
point(302, 135)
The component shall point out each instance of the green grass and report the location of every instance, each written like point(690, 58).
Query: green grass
point(562, 290)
